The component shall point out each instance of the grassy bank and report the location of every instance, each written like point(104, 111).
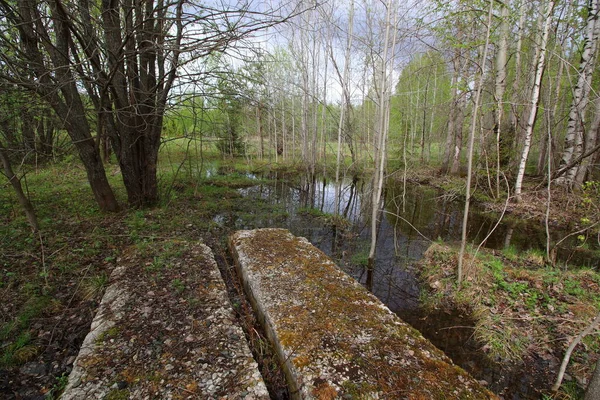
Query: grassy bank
point(51, 281)
point(520, 306)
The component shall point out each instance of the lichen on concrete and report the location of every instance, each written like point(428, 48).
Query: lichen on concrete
point(165, 329)
point(334, 338)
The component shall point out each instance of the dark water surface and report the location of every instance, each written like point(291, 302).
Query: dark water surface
point(413, 217)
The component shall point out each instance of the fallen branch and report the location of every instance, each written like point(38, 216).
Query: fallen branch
point(570, 165)
point(575, 342)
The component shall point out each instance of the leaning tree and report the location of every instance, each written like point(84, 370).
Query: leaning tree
point(121, 58)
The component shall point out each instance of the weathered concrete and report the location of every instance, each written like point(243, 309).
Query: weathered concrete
point(334, 338)
point(165, 329)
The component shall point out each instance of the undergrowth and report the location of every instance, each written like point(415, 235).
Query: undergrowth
point(521, 306)
point(51, 281)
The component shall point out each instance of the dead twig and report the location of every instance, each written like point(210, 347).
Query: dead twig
point(575, 342)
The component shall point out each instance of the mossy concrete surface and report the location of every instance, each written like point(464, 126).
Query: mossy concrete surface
point(165, 329)
point(334, 338)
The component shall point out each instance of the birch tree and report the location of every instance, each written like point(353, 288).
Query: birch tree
point(345, 105)
point(385, 64)
point(574, 138)
point(534, 101)
point(500, 87)
point(482, 76)
point(456, 35)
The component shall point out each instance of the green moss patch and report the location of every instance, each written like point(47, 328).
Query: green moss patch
point(333, 334)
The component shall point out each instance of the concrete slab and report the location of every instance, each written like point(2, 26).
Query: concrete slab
point(334, 338)
point(165, 330)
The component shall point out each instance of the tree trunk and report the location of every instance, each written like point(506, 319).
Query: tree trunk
point(451, 118)
point(424, 127)
point(344, 106)
point(535, 97)
point(591, 139)
point(576, 340)
point(260, 132)
point(547, 144)
point(576, 124)
point(16, 184)
point(381, 131)
point(27, 129)
point(593, 390)
point(501, 57)
point(138, 160)
point(507, 143)
point(458, 135)
point(65, 100)
point(482, 76)
point(45, 136)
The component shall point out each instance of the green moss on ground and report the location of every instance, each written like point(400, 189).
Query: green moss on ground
point(326, 321)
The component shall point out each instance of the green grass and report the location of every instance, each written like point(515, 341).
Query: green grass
point(360, 258)
point(511, 252)
point(16, 335)
point(515, 302)
point(178, 285)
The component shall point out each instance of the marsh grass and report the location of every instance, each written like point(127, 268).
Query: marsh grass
point(520, 306)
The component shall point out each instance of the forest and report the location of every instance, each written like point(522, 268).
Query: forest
point(123, 121)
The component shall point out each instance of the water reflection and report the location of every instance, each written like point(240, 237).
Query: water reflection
point(412, 218)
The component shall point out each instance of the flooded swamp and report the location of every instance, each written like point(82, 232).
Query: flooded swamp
point(414, 216)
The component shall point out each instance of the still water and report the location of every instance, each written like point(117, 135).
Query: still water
point(413, 217)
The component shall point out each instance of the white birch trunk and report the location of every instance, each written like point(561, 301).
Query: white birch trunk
point(535, 97)
point(381, 132)
point(483, 64)
point(574, 137)
point(501, 57)
point(591, 138)
point(517, 81)
point(345, 104)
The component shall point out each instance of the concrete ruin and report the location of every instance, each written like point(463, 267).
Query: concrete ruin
point(165, 329)
point(334, 338)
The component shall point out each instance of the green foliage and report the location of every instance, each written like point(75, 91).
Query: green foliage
point(511, 300)
point(511, 252)
point(233, 180)
point(33, 308)
point(358, 390)
point(228, 121)
point(18, 351)
point(360, 258)
point(178, 285)
point(419, 106)
point(93, 287)
point(571, 390)
point(111, 332)
point(157, 264)
point(573, 287)
point(117, 394)
point(58, 387)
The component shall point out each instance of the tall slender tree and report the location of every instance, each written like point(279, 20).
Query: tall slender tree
point(535, 98)
point(577, 138)
point(476, 105)
point(385, 65)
